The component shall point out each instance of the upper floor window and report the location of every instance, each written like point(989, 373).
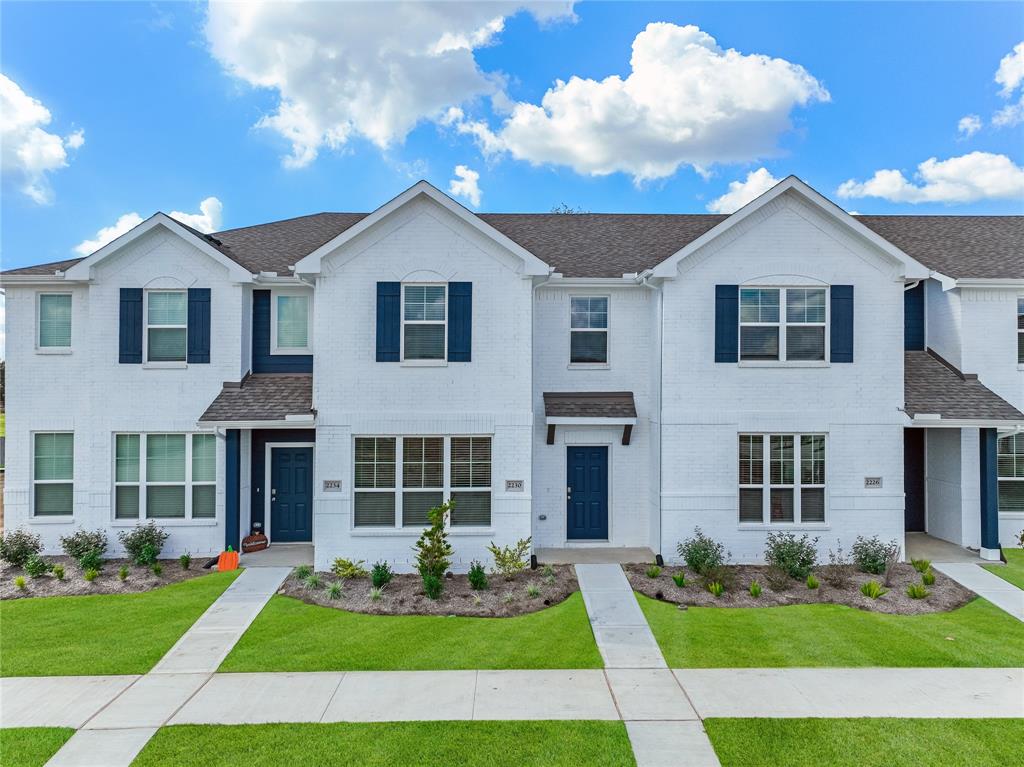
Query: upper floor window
point(767, 333)
point(53, 472)
point(290, 323)
point(166, 325)
point(1020, 331)
point(165, 476)
point(424, 322)
point(54, 321)
point(782, 478)
point(1010, 463)
point(588, 330)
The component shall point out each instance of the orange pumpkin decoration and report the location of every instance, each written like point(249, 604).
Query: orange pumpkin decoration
point(228, 560)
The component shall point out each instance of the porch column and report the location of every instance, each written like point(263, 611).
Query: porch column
point(989, 495)
point(232, 477)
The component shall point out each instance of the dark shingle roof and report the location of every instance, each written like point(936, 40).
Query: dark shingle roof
point(50, 268)
point(263, 397)
point(933, 386)
point(591, 404)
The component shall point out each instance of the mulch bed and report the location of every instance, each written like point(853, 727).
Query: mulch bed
point(139, 578)
point(944, 594)
point(404, 594)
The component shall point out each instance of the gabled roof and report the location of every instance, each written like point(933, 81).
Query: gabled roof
point(933, 387)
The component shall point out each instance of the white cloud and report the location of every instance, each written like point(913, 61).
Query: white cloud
point(968, 125)
point(741, 192)
point(28, 153)
point(1011, 70)
point(686, 101)
point(207, 220)
point(1010, 115)
point(360, 70)
point(466, 185)
point(968, 178)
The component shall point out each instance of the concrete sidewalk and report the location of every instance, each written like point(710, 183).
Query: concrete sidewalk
point(1002, 594)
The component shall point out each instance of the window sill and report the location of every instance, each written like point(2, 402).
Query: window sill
point(589, 366)
point(783, 364)
point(62, 520)
point(164, 365)
point(424, 363)
point(286, 352)
point(53, 350)
point(784, 526)
point(164, 522)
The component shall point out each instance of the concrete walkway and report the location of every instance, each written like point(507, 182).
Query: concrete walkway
point(1002, 594)
point(118, 728)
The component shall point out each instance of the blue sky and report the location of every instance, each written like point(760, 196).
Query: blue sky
point(159, 107)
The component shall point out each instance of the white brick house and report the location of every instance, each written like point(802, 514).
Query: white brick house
point(588, 380)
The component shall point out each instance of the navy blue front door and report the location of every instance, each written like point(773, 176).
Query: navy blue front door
point(587, 493)
point(291, 494)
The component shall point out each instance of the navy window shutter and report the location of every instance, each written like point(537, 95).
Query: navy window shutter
point(913, 318)
point(130, 330)
point(727, 323)
point(198, 325)
point(460, 321)
point(389, 321)
point(842, 323)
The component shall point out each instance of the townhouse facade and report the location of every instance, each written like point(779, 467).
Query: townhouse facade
point(585, 380)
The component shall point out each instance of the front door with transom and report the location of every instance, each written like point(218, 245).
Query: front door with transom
point(587, 493)
point(291, 494)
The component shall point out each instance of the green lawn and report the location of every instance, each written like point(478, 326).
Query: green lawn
point(31, 746)
point(290, 635)
point(384, 744)
point(977, 634)
point(867, 742)
point(101, 634)
point(1013, 570)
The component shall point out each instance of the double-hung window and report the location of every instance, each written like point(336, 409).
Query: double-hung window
point(290, 323)
point(782, 478)
point(53, 473)
point(1020, 331)
point(166, 325)
point(588, 330)
point(165, 476)
point(54, 332)
point(783, 324)
point(1010, 463)
point(432, 470)
point(424, 322)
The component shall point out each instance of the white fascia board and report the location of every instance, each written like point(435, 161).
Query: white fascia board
point(979, 282)
point(533, 266)
point(913, 269)
point(588, 421)
point(35, 279)
point(280, 424)
point(960, 423)
point(83, 269)
point(624, 281)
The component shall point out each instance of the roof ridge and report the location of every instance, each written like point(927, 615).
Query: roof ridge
point(292, 218)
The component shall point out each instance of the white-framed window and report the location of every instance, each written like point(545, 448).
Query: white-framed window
point(53, 474)
point(1010, 470)
point(433, 470)
point(783, 324)
point(53, 314)
point(782, 478)
point(588, 330)
point(1020, 330)
point(291, 326)
point(165, 476)
point(166, 335)
point(424, 322)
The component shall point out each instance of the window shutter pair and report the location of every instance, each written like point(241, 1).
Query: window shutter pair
point(132, 323)
point(727, 320)
point(389, 321)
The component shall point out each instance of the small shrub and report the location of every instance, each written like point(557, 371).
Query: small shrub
point(917, 591)
point(143, 543)
point(532, 590)
point(869, 554)
point(91, 560)
point(381, 574)
point(702, 553)
point(794, 555)
point(83, 542)
point(335, 589)
point(548, 571)
point(509, 560)
point(376, 593)
point(509, 598)
point(123, 573)
point(721, 574)
point(680, 579)
point(716, 588)
point(477, 601)
point(812, 582)
point(58, 572)
point(303, 571)
point(928, 577)
point(19, 582)
point(653, 571)
point(185, 560)
point(921, 565)
point(837, 573)
point(893, 554)
point(157, 569)
point(36, 567)
point(755, 589)
point(91, 574)
point(346, 568)
point(1020, 539)
point(777, 578)
point(873, 590)
point(432, 586)
point(313, 582)
point(477, 576)
point(16, 546)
